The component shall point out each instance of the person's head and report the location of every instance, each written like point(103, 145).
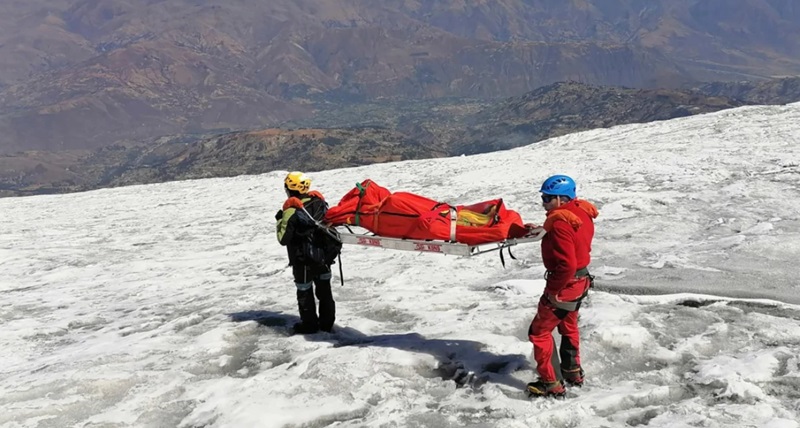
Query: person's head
point(296, 183)
point(557, 190)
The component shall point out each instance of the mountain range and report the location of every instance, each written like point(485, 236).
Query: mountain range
point(89, 74)
point(364, 133)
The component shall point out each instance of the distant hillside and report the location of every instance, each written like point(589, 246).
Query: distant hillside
point(388, 132)
point(779, 91)
point(570, 107)
point(86, 74)
point(251, 152)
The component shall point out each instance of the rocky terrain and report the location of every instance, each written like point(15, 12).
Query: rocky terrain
point(87, 74)
point(379, 132)
point(776, 91)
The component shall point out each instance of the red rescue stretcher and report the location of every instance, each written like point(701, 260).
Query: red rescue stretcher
point(406, 221)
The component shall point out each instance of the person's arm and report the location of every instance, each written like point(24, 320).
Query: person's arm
point(563, 238)
point(286, 226)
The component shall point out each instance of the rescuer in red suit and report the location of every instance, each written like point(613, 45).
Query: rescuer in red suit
point(566, 249)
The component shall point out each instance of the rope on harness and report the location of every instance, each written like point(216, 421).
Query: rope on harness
point(322, 226)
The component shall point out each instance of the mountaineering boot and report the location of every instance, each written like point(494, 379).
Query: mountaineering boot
point(541, 388)
point(300, 328)
point(573, 377)
point(308, 313)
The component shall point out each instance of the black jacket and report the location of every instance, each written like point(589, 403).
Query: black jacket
point(295, 228)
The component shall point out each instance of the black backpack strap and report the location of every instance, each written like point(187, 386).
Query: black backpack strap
point(341, 275)
point(510, 254)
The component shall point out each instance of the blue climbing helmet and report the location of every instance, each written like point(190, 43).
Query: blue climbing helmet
point(559, 185)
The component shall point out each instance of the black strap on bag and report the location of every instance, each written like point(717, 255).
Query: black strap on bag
point(341, 275)
point(333, 235)
point(510, 254)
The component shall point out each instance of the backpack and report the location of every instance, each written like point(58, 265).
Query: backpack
point(322, 245)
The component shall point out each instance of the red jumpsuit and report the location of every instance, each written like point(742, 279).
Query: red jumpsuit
point(565, 253)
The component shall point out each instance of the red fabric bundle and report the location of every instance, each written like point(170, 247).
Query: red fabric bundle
point(410, 216)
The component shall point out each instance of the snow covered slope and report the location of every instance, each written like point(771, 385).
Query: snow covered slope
point(167, 305)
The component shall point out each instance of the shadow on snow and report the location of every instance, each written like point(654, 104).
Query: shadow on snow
point(462, 361)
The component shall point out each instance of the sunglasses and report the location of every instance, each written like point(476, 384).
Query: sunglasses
point(548, 198)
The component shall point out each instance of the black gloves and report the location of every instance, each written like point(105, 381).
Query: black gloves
point(279, 215)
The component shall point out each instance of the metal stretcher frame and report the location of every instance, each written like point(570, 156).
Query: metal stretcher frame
point(433, 246)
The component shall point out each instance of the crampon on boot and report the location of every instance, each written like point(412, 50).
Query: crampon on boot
point(541, 388)
point(573, 377)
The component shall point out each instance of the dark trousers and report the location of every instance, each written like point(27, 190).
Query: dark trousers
point(310, 280)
